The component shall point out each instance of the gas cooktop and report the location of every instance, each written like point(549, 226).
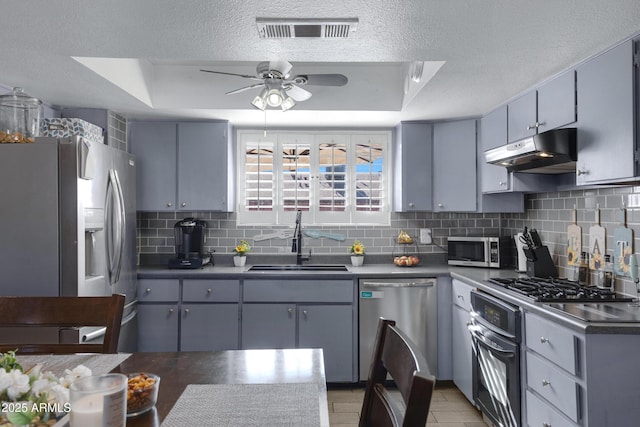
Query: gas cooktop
point(558, 290)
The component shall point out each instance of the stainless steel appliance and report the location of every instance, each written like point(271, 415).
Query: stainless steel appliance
point(189, 237)
point(496, 336)
point(68, 223)
point(550, 152)
point(476, 251)
point(412, 303)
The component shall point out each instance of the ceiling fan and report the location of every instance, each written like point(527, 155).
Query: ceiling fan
point(279, 88)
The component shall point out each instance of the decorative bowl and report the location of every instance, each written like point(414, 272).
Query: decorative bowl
point(142, 392)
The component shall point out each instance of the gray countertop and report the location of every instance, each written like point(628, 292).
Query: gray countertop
point(476, 277)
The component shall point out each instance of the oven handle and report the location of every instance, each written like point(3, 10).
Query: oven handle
point(479, 337)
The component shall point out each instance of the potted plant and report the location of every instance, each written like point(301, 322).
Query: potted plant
point(239, 259)
point(357, 253)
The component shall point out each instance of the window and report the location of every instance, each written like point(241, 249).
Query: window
point(334, 178)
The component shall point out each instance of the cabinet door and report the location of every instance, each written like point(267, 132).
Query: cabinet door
point(606, 142)
point(157, 327)
point(268, 326)
point(202, 166)
point(522, 117)
point(493, 133)
point(454, 166)
point(154, 145)
point(557, 102)
point(416, 157)
point(208, 327)
point(329, 327)
point(462, 347)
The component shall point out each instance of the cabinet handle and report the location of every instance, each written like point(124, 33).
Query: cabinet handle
point(304, 312)
point(460, 296)
point(290, 311)
point(169, 204)
point(171, 311)
point(209, 291)
point(539, 124)
point(546, 383)
point(410, 204)
point(546, 425)
point(440, 205)
point(502, 183)
point(581, 172)
point(469, 323)
point(183, 204)
point(529, 127)
point(544, 340)
point(186, 311)
point(147, 290)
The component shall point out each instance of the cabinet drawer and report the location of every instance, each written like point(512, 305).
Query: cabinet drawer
point(461, 294)
point(298, 291)
point(194, 290)
point(158, 290)
point(552, 341)
point(539, 414)
point(555, 386)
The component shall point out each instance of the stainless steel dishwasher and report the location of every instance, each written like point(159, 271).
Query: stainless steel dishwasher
point(412, 303)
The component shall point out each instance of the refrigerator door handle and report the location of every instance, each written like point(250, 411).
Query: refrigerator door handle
point(114, 227)
point(121, 223)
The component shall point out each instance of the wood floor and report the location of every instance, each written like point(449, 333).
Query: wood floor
point(449, 408)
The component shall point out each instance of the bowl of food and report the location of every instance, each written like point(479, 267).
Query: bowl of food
point(142, 392)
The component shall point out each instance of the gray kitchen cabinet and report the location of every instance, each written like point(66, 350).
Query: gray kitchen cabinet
point(182, 166)
point(493, 133)
point(158, 327)
point(413, 167)
point(208, 327)
point(209, 315)
point(302, 314)
point(552, 105)
point(607, 117)
point(454, 166)
point(461, 338)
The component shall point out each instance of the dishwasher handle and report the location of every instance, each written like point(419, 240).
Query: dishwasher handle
point(407, 284)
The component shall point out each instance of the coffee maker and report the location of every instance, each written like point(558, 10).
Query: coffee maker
point(189, 236)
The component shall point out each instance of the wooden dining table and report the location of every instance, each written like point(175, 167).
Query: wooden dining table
point(270, 368)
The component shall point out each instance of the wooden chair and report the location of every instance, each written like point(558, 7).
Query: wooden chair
point(394, 353)
point(63, 312)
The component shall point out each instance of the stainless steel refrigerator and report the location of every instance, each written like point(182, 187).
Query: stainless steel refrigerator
point(68, 226)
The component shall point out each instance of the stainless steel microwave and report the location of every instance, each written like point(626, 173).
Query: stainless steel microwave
point(488, 252)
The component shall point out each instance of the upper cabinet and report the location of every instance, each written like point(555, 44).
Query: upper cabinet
point(182, 166)
point(454, 166)
point(413, 154)
point(607, 117)
point(493, 133)
point(551, 106)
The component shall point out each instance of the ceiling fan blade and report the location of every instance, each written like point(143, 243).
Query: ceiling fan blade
point(325, 79)
point(242, 89)
point(283, 67)
point(232, 74)
point(297, 93)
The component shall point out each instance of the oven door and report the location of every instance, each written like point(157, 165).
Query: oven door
point(496, 376)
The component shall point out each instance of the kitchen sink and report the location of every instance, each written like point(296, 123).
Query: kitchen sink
point(309, 267)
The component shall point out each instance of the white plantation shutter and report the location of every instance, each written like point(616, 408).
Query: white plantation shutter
point(333, 178)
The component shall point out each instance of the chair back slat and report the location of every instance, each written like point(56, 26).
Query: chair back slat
point(395, 354)
point(63, 312)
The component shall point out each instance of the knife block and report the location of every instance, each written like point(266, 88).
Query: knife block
point(540, 264)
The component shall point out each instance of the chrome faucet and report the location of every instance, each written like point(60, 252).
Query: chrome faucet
point(296, 245)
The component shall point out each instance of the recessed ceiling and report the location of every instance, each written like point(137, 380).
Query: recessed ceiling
point(142, 58)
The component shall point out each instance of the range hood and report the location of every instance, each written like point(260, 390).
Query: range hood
point(550, 152)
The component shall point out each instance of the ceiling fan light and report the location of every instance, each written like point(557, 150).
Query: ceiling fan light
point(274, 98)
point(287, 104)
point(260, 101)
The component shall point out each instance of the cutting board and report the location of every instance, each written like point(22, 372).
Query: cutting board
point(597, 244)
point(574, 239)
point(623, 238)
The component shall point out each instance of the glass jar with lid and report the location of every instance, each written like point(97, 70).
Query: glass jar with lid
point(19, 117)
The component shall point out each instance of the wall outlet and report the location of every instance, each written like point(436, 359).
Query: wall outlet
point(425, 236)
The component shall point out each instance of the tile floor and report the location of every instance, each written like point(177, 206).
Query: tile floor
point(449, 408)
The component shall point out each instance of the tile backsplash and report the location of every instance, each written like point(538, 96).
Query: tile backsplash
point(549, 213)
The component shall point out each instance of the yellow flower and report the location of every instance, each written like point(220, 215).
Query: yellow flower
point(242, 248)
point(357, 248)
point(624, 260)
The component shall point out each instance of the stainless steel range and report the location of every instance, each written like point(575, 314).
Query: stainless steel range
point(589, 304)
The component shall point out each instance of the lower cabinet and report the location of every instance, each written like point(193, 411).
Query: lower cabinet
point(158, 327)
point(461, 339)
point(208, 327)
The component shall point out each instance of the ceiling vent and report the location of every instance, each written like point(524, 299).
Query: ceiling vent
point(291, 28)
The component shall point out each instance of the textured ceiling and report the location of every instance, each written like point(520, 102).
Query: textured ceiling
point(492, 50)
